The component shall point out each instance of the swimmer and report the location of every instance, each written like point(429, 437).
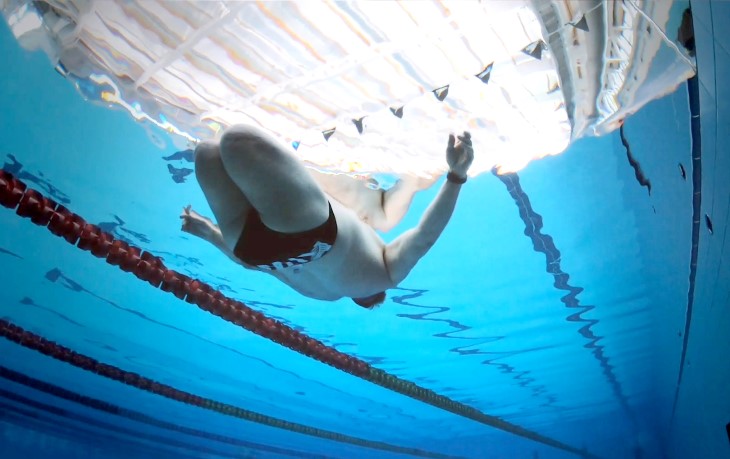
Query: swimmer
point(314, 231)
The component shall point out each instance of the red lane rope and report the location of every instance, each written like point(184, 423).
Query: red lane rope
point(60, 221)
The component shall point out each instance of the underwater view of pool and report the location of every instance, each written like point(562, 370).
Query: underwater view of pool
point(576, 305)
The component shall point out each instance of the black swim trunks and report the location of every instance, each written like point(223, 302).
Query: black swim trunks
point(271, 250)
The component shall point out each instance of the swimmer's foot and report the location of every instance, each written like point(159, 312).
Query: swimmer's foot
point(418, 183)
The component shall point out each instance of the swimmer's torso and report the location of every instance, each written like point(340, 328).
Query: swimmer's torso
point(354, 267)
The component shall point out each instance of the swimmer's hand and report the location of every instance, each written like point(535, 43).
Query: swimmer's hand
point(204, 228)
point(459, 154)
point(194, 223)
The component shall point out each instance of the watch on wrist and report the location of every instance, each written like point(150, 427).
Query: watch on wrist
point(455, 178)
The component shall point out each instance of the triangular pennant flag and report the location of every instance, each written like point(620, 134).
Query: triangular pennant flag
point(534, 49)
point(441, 92)
point(554, 88)
point(358, 124)
point(328, 133)
point(582, 24)
point(397, 111)
point(295, 144)
point(485, 74)
point(61, 69)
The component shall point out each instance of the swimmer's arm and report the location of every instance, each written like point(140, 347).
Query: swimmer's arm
point(380, 209)
point(403, 253)
point(204, 228)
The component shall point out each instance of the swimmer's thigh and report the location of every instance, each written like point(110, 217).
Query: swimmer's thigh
point(229, 205)
point(273, 180)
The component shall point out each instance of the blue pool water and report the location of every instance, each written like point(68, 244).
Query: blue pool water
point(555, 300)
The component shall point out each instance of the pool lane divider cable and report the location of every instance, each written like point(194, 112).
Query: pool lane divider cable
point(110, 408)
point(43, 211)
point(55, 421)
point(37, 343)
point(59, 420)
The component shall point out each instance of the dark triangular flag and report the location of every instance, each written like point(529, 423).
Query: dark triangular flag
point(328, 133)
point(534, 49)
point(358, 124)
point(295, 144)
point(61, 69)
point(485, 74)
point(397, 111)
point(582, 24)
point(441, 92)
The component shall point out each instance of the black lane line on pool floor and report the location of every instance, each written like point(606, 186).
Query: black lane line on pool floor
point(43, 425)
point(110, 408)
point(544, 244)
point(97, 424)
point(51, 349)
point(694, 110)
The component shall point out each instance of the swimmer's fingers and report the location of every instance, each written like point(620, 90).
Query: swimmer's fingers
point(466, 152)
point(186, 218)
point(465, 147)
point(465, 138)
point(459, 155)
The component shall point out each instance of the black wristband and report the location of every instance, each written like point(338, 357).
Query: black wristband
point(453, 178)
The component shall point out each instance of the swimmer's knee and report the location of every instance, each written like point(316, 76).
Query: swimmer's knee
point(207, 160)
point(206, 152)
point(246, 140)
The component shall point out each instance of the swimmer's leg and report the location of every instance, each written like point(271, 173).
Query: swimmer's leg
point(225, 198)
point(273, 180)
